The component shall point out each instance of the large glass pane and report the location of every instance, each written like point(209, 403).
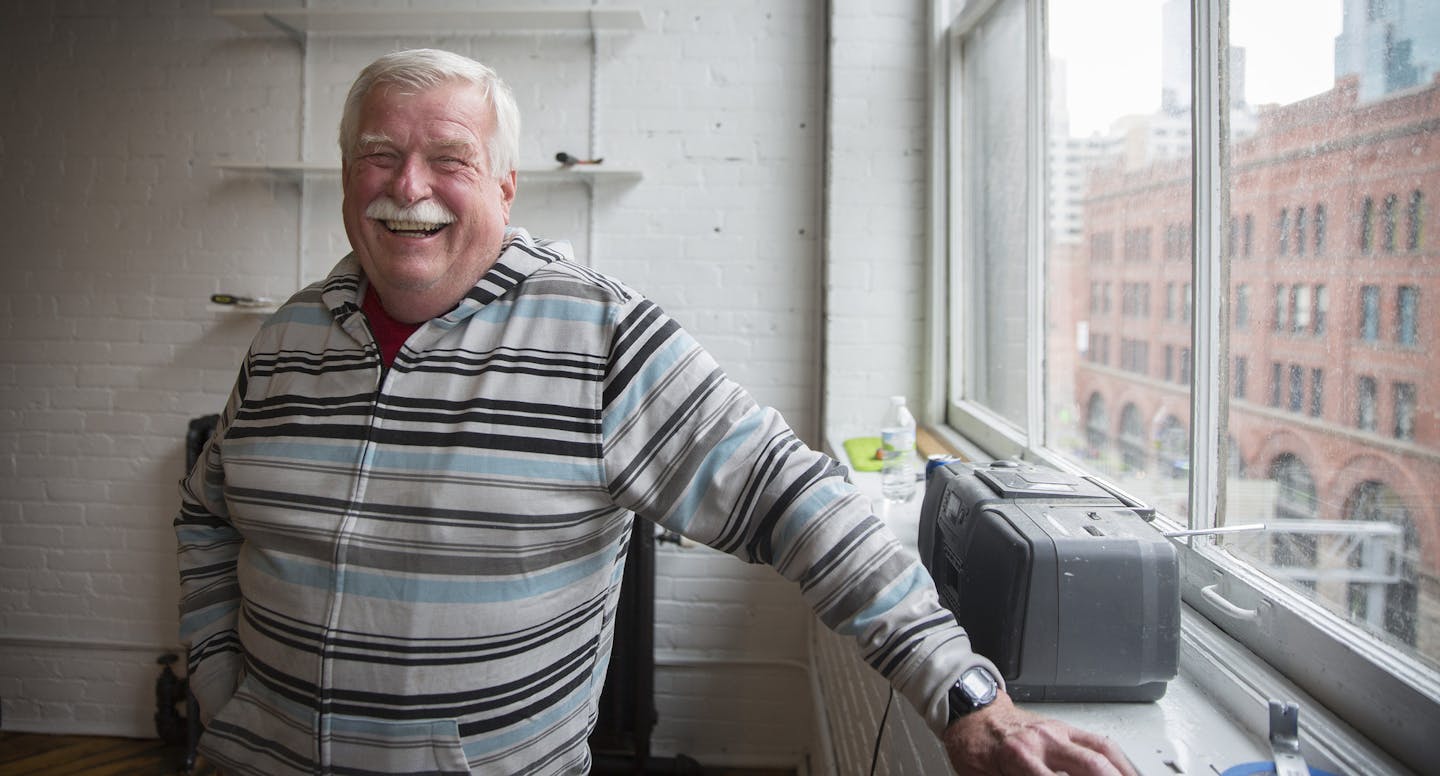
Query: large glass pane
point(1117, 379)
point(992, 323)
point(1335, 107)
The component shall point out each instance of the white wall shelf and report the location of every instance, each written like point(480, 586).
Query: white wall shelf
point(298, 22)
point(589, 174)
point(235, 309)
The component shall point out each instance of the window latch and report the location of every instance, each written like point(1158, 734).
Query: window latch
point(1285, 739)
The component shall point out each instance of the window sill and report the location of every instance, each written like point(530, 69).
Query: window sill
point(1213, 716)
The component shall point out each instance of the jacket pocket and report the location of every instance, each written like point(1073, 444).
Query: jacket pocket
point(259, 732)
point(430, 747)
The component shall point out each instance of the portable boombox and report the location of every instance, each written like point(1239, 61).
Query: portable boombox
point(1059, 580)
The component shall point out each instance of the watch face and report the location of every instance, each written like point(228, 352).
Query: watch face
point(979, 686)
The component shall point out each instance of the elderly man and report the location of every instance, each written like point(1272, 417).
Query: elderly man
point(402, 549)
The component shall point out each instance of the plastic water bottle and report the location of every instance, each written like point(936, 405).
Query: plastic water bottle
point(897, 452)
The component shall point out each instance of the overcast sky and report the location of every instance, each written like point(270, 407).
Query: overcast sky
point(1289, 49)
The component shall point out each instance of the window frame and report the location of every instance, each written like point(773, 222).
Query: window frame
point(1391, 693)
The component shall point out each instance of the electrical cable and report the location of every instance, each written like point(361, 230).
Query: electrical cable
point(880, 731)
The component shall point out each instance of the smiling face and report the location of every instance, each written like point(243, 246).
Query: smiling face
point(424, 212)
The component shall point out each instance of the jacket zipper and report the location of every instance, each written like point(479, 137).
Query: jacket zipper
point(323, 757)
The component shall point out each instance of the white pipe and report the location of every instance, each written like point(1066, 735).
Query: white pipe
point(64, 642)
point(678, 659)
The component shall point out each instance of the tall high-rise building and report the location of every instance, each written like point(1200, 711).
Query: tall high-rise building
point(1175, 62)
point(1389, 45)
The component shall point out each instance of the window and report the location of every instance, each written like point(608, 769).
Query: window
point(1405, 411)
point(1174, 243)
point(1172, 447)
point(1414, 216)
point(1370, 313)
point(1097, 426)
point(1242, 307)
point(1282, 307)
point(1135, 300)
point(1300, 231)
point(1135, 355)
point(1388, 235)
point(1277, 456)
point(995, 275)
point(1302, 317)
point(1365, 404)
point(1284, 231)
point(1293, 550)
point(1133, 455)
point(1102, 247)
point(1137, 244)
point(1405, 315)
point(1367, 225)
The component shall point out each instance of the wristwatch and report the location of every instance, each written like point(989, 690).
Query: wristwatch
point(974, 690)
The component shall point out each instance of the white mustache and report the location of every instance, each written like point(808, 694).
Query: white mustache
point(425, 211)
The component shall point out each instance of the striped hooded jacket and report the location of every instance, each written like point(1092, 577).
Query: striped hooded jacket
point(415, 569)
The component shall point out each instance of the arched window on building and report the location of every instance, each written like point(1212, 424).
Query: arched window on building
point(1172, 444)
point(1097, 427)
point(1295, 500)
point(1133, 453)
point(1391, 605)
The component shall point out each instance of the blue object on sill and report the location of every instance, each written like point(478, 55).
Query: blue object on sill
point(1265, 768)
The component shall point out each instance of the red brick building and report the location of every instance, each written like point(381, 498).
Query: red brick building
point(1334, 277)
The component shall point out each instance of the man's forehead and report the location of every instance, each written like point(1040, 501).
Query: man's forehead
point(440, 139)
point(450, 114)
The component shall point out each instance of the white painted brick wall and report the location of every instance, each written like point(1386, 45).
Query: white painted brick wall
point(121, 227)
point(876, 206)
point(856, 698)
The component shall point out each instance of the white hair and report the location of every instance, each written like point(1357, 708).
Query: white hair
point(425, 69)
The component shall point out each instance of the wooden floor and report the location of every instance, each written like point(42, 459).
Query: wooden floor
point(34, 753)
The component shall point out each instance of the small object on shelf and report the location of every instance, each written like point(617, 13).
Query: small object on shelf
point(570, 161)
point(242, 301)
point(864, 453)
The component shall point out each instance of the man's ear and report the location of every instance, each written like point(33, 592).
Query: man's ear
point(507, 193)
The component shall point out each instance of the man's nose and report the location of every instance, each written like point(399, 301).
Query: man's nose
point(411, 181)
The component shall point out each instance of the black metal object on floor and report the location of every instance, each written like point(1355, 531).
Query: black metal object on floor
point(620, 743)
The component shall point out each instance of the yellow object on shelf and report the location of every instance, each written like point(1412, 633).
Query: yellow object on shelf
point(862, 453)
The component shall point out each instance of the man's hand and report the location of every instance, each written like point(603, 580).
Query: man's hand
point(1003, 739)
